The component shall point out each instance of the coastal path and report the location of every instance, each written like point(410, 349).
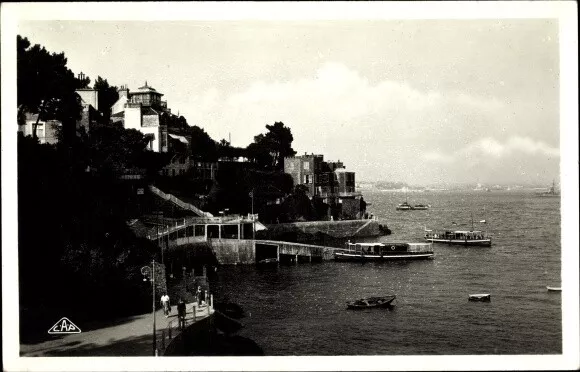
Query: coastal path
point(131, 336)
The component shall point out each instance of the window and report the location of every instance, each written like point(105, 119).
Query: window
point(199, 230)
point(307, 179)
point(306, 165)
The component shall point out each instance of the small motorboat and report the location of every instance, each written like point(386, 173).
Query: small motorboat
point(485, 297)
point(554, 289)
point(421, 207)
point(370, 302)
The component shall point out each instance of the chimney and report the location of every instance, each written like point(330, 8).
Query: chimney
point(123, 91)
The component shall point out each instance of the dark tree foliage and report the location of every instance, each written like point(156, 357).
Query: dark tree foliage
point(203, 147)
point(45, 86)
point(76, 253)
point(298, 207)
point(108, 95)
point(268, 150)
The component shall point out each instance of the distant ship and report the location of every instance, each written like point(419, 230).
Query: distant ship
point(481, 188)
point(550, 193)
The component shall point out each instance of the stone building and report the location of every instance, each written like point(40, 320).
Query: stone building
point(46, 131)
point(90, 112)
point(329, 181)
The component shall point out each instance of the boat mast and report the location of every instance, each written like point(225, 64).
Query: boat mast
point(472, 229)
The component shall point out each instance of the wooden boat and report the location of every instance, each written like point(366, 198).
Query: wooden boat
point(370, 302)
point(485, 297)
point(383, 251)
point(459, 237)
point(554, 289)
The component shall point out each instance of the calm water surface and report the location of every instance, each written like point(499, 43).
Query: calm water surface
point(300, 310)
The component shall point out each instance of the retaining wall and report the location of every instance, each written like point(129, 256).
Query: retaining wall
point(335, 229)
point(233, 251)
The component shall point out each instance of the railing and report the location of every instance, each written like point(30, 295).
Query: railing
point(179, 202)
point(155, 233)
point(174, 326)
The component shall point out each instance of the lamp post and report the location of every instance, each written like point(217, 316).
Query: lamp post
point(253, 219)
point(158, 240)
point(149, 272)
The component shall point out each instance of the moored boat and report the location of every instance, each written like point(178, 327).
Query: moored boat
point(459, 237)
point(420, 207)
point(554, 289)
point(404, 207)
point(384, 251)
point(371, 302)
point(485, 297)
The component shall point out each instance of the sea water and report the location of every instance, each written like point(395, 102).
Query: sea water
point(301, 309)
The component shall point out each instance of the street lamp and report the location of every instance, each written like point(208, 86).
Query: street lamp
point(253, 219)
point(149, 273)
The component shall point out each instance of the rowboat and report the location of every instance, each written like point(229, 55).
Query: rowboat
point(554, 289)
point(384, 251)
point(485, 297)
point(370, 302)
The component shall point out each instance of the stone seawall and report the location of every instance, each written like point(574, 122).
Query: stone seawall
point(301, 231)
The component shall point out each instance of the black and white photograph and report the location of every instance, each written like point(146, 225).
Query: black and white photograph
point(290, 186)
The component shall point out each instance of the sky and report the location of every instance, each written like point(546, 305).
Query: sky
point(419, 101)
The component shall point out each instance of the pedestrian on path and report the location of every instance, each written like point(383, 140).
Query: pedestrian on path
point(165, 304)
point(181, 313)
point(198, 295)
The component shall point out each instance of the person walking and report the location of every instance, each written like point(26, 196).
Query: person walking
point(165, 304)
point(181, 312)
point(198, 295)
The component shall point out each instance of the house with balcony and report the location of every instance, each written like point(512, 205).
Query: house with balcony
point(142, 110)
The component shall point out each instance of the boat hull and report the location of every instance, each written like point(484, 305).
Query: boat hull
point(480, 297)
point(370, 303)
point(472, 242)
point(554, 289)
point(345, 256)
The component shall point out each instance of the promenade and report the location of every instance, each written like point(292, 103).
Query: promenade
point(131, 336)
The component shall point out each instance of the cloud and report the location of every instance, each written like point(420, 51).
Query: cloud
point(437, 157)
point(491, 147)
point(384, 128)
